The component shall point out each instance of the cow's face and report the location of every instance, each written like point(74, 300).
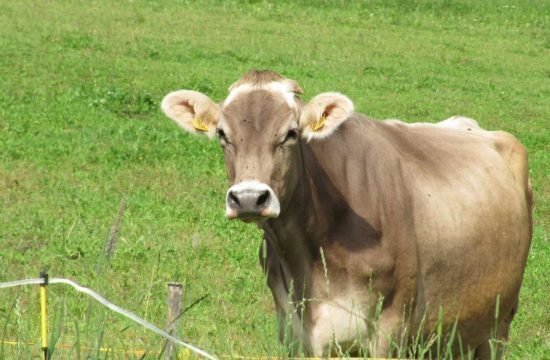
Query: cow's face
point(259, 127)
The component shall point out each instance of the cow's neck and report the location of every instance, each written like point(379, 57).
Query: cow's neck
point(289, 234)
point(310, 222)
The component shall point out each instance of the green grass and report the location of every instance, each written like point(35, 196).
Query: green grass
point(80, 129)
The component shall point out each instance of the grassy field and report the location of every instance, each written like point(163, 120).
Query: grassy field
point(81, 132)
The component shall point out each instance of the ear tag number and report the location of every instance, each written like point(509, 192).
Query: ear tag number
point(319, 124)
point(199, 125)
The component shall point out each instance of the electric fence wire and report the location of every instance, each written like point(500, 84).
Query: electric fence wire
point(113, 307)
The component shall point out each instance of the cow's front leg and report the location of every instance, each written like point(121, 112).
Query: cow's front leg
point(389, 330)
point(289, 317)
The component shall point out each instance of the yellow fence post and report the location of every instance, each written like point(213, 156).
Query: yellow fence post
point(44, 320)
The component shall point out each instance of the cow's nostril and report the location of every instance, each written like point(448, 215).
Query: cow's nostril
point(233, 200)
point(263, 199)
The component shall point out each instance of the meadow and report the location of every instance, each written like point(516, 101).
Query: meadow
point(97, 186)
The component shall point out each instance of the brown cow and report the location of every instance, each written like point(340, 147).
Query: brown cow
point(376, 231)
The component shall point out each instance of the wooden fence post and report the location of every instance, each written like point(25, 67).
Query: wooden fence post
point(175, 293)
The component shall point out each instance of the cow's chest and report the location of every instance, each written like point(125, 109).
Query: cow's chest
point(339, 312)
point(347, 288)
point(337, 323)
point(339, 294)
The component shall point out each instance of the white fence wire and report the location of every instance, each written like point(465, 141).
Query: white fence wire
point(111, 306)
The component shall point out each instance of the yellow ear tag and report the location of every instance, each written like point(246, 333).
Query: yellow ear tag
point(319, 124)
point(199, 125)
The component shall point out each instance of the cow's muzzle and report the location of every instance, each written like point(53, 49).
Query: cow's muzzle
point(251, 201)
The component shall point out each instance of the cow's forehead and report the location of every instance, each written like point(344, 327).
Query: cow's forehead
point(257, 108)
point(281, 88)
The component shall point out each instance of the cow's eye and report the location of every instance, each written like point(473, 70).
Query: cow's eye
point(291, 135)
point(222, 136)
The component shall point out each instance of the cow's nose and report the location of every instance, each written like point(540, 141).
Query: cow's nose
point(248, 201)
point(251, 200)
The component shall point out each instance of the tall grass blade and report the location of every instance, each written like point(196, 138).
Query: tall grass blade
point(95, 330)
point(57, 328)
point(77, 339)
point(11, 310)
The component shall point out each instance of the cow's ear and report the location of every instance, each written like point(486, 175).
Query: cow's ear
point(193, 111)
point(323, 114)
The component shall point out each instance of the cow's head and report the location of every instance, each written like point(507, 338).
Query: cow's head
point(259, 127)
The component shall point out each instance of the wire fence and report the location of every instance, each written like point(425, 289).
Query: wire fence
point(46, 281)
point(112, 307)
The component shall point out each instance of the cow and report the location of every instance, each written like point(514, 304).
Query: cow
point(378, 234)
